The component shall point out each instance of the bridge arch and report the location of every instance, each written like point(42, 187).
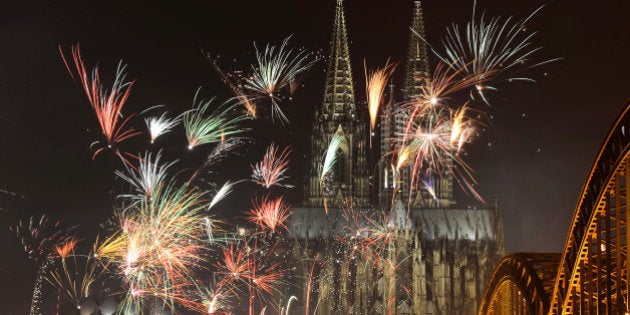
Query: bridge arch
point(593, 272)
point(594, 268)
point(521, 284)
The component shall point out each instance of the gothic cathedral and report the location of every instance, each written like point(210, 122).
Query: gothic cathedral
point(441, 253)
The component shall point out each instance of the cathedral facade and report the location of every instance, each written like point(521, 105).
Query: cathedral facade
point(435, 256)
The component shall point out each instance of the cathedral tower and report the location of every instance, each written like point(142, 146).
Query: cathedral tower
point(416, 75)
point(338, 115)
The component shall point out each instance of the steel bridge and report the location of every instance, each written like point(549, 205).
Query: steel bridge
point(591, 275)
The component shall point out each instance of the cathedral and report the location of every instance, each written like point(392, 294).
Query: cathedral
point(439, 254)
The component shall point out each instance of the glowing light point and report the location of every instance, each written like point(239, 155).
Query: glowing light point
point(434, 101)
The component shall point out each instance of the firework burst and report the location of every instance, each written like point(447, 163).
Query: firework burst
point(159, 125)
point(437, 129)
point(161, 242)
point(269, 214)
point(494, 45)
point(147, 176)
point(271, 170)
point(375, 81)
point(107, 103)
point(275, 68)
point(217, 300)
point(202, 128)
point(74, 279)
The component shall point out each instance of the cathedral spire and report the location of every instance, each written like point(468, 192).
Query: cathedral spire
point(338, 115)
point(417, 60)
point(339, 90)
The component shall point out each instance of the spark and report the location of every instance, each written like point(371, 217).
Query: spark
point(224, 149)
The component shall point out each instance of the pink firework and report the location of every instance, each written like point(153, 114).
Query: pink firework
point(234, 265)
point(269, 214)
point(271, 170)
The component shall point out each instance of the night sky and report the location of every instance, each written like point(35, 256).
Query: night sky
point(534, 157)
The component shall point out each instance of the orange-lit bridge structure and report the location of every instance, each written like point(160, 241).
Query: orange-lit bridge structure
point(591, 275)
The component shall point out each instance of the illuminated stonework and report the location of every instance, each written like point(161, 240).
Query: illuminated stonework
point(437, 256)
point(339, 114)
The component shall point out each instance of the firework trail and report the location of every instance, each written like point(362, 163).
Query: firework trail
point(375, 81)
point(236, 87)
point(225, 149)
point(430, 188)
point(462, 128)
point(330, 157)
point(202, 128)
point(289, 304)
point(275, 68)
point(228, 148)
point(271, 170)
point(107, 103)
point(209, 224)
point(225, 190)
point(160, 125)
point(318, 263)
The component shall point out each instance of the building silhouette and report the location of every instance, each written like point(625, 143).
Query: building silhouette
point(439, 254)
